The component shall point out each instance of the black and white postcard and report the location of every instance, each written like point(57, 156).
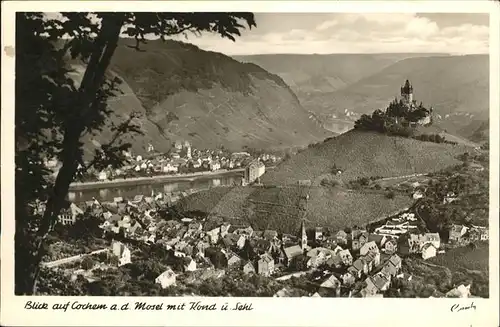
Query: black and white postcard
point(250, 163)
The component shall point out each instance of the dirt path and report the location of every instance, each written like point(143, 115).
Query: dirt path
point(446, 270)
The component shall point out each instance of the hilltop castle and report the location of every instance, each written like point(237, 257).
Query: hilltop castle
point(410, 103)
point(407, 95)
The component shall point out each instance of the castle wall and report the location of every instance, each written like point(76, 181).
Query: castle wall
point(425, 120)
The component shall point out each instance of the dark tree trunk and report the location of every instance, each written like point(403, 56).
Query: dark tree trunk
point(105, 46)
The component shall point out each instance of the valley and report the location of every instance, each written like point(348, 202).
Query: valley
point(340, 155)
point(339, 88)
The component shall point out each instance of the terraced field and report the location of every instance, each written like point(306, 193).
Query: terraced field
point(282, 208)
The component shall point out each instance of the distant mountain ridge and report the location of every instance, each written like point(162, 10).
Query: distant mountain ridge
point(448, 84)
point(338, 88)
point(325, 72)
point(210, 99)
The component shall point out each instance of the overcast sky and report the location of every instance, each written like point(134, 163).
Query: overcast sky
point(356, 33)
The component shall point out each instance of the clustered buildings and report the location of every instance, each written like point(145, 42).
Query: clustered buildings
point(182, 159)
point(354, 263)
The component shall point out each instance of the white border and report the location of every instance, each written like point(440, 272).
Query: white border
point(267, 311)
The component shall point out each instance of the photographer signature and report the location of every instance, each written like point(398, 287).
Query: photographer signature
point(458, 307)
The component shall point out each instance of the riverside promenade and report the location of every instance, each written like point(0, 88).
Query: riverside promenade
point(81, 186)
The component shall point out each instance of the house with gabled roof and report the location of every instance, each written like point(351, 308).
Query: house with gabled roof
point(233, 260)
point(395, 260)
point(358, 268)
point(368, 262)
point(346, 257)
point(389, 270)
point(240, 243)
point(368, 247)
point(189, 264)
point(378, 239)
point(166, 278)
point(121, 251)
point(359, 238)
point(341, 237)
point(318, 256)
point(292, 252)
point(428, 251)
point(381, 281)
point(373, 259)
point(456, 232)
point(433, 238)
point(265, 265)
point(249, 268)
point(224, 229)
point(390, 246)
point(69, 214)
point(213, 235)
point(331, 286)
point(370, 288)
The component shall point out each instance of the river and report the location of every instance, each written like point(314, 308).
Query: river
point(129, 191)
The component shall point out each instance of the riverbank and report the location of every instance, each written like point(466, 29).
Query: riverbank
point(81, 186)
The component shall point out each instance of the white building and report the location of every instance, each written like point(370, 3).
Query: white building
point(103, 175)
point(254, 171)
point(69, 216)
point(215, 165)
point(166, 279)
point(122, 252)
point(190, 266)
point(169, 168)
point(418, 195)
point(428, 251)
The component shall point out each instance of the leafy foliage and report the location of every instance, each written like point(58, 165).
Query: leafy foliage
point(471, 205)
point(58, 113)
point(397, 119)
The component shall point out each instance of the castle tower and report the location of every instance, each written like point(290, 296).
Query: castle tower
point(303, 241)
point(407, 93)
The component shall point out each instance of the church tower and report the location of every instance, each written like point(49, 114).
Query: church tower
point(407, 93)
point(303, 241)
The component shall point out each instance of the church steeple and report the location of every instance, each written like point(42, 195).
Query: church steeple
point(303, 241)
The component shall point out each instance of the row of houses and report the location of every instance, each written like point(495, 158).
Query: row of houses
point(181, 159)
point(354, 255)
point(462, 235)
